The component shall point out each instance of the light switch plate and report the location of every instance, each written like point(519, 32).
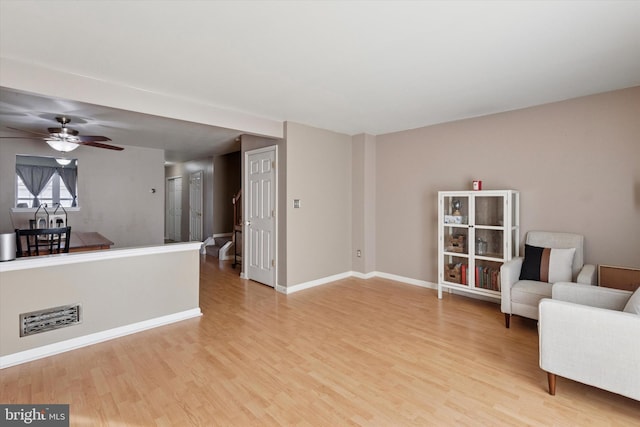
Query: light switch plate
point(296, 203)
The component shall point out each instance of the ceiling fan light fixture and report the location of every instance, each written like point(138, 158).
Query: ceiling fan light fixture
point(65, 136)
point(61, 145)
point(63, 162)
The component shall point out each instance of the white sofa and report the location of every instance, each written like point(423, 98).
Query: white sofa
point(586, 337)
point(521, 297)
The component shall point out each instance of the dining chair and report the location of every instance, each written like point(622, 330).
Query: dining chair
point(42, 241)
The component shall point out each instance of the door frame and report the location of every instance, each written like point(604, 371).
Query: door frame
point(245, 210)
point(200, 175)
point(178, 232)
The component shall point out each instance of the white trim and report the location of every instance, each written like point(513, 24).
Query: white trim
point(313, 283)
point(407, 280)
point(222, 235)
point(359, 275)
point(98, 337)
point(199, 220)
point(79, 257)
point(223, 254)
point(33, 210)
point(323, 281)
point(210, 241)
point(431, 285)
point(207, 242)
point(166, 208)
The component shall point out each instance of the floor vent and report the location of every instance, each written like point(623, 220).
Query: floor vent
point(49, 319)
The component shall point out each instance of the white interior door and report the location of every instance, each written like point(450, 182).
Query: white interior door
point(195, 207)
point(174, 209)
point(259, 256)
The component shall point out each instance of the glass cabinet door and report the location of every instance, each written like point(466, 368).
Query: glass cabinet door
point(489, 243)
point(456, 240)
point(487, 275)
point(456, 210)
point(456, 270)
point(489, 210)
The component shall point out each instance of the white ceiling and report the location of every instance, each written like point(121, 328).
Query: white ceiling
point(347, 66)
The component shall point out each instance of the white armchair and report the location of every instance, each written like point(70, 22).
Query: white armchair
point(586, 336)
point(521, 297)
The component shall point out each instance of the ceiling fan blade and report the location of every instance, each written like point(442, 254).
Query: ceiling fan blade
point(29, 131)
point(84, 138)
point(67, 134)
point(101, 145)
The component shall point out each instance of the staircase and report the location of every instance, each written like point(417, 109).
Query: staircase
point(231, 244)
point(220, 242)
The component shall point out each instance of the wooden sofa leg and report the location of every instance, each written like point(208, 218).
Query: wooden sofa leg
point(552, 383)
point(507, 320)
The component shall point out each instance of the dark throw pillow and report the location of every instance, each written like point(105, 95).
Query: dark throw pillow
point(546, 264)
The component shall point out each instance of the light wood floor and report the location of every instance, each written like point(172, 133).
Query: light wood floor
point(355, 352)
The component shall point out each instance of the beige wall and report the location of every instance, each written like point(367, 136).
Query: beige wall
point(113, 292)
point(576, 164)
point(363, 171)
point(318, 235)
point(114, 191)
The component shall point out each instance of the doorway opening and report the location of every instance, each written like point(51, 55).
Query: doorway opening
point(195, 207)
point(173, 216)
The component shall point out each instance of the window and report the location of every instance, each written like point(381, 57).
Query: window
point(55, 192)
point(57, 184)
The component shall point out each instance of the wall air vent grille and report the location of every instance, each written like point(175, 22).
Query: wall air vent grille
point(49, 319)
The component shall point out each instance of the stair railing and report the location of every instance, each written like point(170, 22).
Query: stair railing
point(237, 209)
point(237, 225)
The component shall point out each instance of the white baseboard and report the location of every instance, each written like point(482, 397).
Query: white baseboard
point(407, 280)
point(306, 285)
point(74, 343)
point(432, 285)
point(359, 275)
point(317, 282)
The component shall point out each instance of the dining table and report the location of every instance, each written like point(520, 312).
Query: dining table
point(88, 241)
point(82, 241)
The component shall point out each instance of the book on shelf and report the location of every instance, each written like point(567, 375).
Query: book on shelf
point(487, 278)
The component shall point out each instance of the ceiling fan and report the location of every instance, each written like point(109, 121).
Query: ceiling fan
point(65, 139)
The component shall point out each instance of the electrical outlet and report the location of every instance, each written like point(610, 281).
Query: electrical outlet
point(358, 253)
